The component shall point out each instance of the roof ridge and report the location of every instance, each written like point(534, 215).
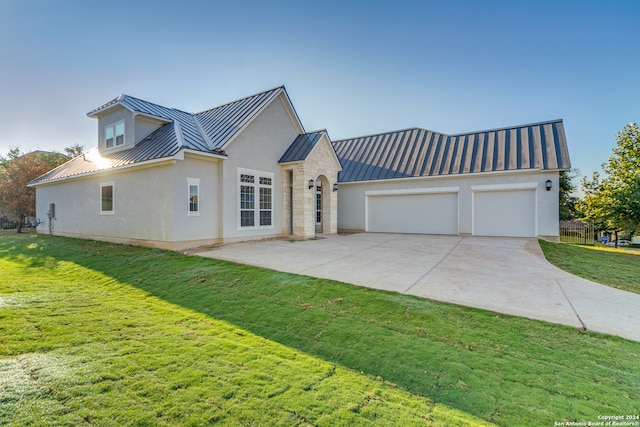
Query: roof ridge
point(204, 133)
point(238, 100)
point(106, 104)
point(508, 127)
point(152, 103)
point(453, 134)
point(178, 131)
point(388, 133)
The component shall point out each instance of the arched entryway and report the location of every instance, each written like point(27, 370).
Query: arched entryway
point(310, 198)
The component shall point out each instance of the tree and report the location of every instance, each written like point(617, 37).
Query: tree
point(597, 201)
point(74, 150)
point(567, 201)
point(12, 154)
point(613, 202)
point(15, 197)
point(627, 206)
point(52, 158)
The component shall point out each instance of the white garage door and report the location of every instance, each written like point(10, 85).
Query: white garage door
point(413, 213)
point(504, 213)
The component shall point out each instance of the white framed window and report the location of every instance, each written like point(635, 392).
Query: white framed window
point(255, 207)
point(107, 206)
point(193, 194)
point(114, 135)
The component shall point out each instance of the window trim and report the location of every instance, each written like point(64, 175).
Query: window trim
point(113, 204)
point(256, 185)
point(193, 182)
point(113, 126)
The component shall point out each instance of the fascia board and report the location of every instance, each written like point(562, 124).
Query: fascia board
point(150, 116)
point(147, 163)
point(97, 114)
point(453, 176)
point(203, 154)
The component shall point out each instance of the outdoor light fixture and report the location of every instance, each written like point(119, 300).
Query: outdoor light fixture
point(548, 185)
point(311, 183)
point(335, 186)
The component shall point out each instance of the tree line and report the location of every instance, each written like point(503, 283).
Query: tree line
point(610, 200)
point(17, 168)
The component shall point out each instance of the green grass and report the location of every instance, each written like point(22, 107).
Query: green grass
point(618, 268)
point(100, 334)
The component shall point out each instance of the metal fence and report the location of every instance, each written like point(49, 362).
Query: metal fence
point(7, 224)
point(578, 232)
point(10, 224)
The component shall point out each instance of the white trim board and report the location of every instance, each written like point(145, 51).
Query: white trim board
point(452, 176)
point(505, 187)
point(410, 191)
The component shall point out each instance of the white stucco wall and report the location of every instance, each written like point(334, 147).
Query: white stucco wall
point(204, 226)
point(150, 205)
point(258, 147)
point(140, 211)
point(351, 197)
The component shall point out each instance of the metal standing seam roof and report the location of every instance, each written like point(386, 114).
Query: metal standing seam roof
point(160, 144)
point(208, 131)
point(222, 123)
point(418, 152)
point(301, 146)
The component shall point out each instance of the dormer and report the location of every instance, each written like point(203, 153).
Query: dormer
point(122, 124)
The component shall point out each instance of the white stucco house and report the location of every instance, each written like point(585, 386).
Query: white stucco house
point(248, 170)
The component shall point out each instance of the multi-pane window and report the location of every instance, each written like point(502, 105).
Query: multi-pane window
point(256, 212)
point(247, 201)
point(114, 135)
point(318, 205)
point(106, 198)
point(266, 201)
point(193, 196)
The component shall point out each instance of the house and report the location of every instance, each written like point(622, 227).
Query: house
point(248, 170)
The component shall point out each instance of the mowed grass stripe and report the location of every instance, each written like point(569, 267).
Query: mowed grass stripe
point(79, 347)
point(157, 313)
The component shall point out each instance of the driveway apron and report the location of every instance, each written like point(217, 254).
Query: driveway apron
point(505, 275)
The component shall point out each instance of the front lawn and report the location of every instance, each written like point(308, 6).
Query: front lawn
point(101, 334)
point(618, 268)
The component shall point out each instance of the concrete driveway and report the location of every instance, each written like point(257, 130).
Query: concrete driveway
point(505, 275)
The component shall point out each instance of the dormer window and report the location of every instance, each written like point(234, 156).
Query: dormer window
point(114, 135)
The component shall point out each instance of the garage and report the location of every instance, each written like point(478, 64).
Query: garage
point(508, 213)
point(503, 182)
point(414, 211)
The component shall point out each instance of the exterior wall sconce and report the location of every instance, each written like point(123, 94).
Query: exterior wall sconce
point(335, 186)
point(548, 185)
point(311, 184)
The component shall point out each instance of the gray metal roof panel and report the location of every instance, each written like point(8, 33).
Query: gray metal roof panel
point(207, 132)
point(419, 152)
point(160, 144)
point(301, 147)
point(222, 123)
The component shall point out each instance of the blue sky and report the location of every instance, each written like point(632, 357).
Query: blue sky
point(354, 68)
